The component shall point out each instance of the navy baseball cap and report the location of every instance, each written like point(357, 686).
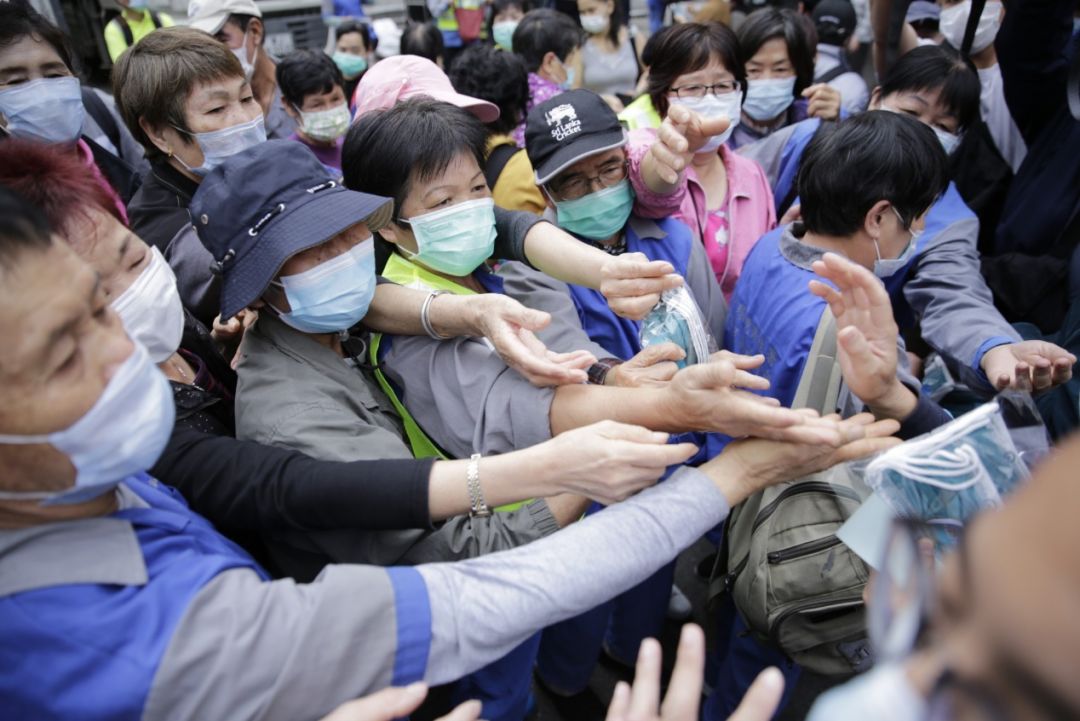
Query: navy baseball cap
point(266, 204)
point(834, 21)
point(568, 127)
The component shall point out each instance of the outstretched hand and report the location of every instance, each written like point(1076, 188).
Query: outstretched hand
point(682, 134)
point(1032, 365)
point(632, 283)
point(397, 702)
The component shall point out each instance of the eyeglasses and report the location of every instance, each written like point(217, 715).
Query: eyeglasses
point(700, 91)
point(579, 185)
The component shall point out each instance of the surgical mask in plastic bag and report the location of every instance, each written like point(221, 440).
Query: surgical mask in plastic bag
point(949, 475)
point(677, 319)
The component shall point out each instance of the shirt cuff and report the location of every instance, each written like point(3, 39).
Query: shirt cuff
point(412, 612)
point(993, 342)
point(927, 416)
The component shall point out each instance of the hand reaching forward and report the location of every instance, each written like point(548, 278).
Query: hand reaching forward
point(397, 702)
point(1032, 365)
point(642, 701)
point(866, 335)
point(509, 326)
point(632, 283)
point(682, 133)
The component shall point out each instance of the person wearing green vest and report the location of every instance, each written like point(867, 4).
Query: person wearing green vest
point(134, 22)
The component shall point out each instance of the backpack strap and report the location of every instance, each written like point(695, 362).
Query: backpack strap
point(497, 161)
point(819, 385)
point(832, 74)
point(99, 111)
point(972, 25)
point(121, 23)
point(156, 19)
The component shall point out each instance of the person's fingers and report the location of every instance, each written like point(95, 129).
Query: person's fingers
point(1063, 370)
point(468, 711)
point(670, 140)
point(668, 157)
point(619, 708)
point(657, 353)
point(390, 703)
point(714, 126)
point(742, 362)
point(517, 314)
point(762, 698)
point(1042, 376)
point(645, 694)
point(636, 265)
point(745, 379)
point(629, 432)
point(658, 374)
point(678, 116)
point(862, 448)
point(652, 457)
point(813, 90)
point(683, 695)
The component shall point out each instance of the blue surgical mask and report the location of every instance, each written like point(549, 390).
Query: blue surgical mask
point(219, 145)
point(768, 98)
point(455, 240)
point(887, 267)
point(599, 215)
point(571, 74)
point(503, 34)
point(715, 106)
point(137, 4)
point(333, 296)
point(122, 434)
point(350, 65)
point(49, 110)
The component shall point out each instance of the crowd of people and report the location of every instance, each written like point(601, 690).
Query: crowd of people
point(334, 376)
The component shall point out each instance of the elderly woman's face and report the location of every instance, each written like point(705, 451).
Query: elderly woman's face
point(220, 104)
point(29, 59)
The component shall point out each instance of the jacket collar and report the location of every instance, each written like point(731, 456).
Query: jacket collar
point(796, 251)
point(101, 550)
point(173, 179)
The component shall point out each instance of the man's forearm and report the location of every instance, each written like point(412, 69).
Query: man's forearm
point(564, 257)
point(579, 405)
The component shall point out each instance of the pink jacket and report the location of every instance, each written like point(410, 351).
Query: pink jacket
point(751, 209)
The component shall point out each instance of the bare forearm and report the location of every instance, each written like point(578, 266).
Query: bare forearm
point(564, 257)
point(504, 479)
point(580, 405)
point(396, 309)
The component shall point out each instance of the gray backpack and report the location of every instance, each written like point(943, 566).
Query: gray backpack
point(797, 586)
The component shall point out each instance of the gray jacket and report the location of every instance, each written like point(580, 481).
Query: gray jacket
point(295, 393)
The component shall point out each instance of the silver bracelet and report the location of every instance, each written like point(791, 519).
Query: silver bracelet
point(479, 508)
point(425, 321)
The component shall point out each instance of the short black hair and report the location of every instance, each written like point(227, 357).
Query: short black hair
point(18, 20)
point(937, 67)
point(304, 72)
point(423, 39)
point(485, 72)
point(22, 227)
point(849, 166)
point(371, 40)
point(416, 139)
point(794, 29)
point(686, 47)
point(546, 31)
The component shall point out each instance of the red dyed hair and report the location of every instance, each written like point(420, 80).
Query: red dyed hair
point(53, 179)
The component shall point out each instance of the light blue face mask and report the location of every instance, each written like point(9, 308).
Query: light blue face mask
point(455, 240)
point(599, 215)
point(122, 434)
point(503, 34)
point(48, 110)
point(333, 296)
point(887, 267)
point(767, 98)
point(219, 145)
point(571, 74)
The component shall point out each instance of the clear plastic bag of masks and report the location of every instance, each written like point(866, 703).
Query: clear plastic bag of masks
point(677, 319)
point(968, 465)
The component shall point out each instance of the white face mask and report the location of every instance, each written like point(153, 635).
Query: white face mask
point(948, 140)
point(326, 125)
point(151, 309)
point(883, 693)
point(122, 434)
point(595, 24)
point(711, 106)
point(887, 267)
point(954, 21)
point(241, 54)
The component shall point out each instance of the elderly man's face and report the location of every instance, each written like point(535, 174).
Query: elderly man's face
point(61, 346)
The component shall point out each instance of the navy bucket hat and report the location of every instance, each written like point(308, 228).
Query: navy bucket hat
point(266, 204)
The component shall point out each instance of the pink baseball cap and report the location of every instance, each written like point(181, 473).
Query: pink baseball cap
point(401, 77)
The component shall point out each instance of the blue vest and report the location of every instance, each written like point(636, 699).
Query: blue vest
point(772, 312)
point(617, 335)
point(90, 651)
